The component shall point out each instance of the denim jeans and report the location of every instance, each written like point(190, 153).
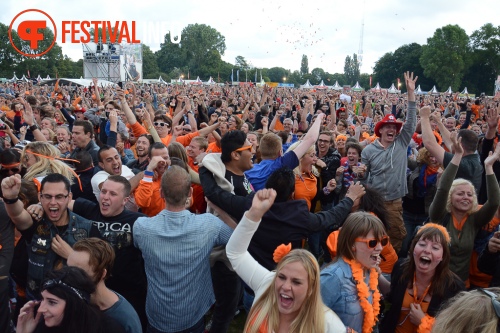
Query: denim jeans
point(199, 327)
point(412, 221)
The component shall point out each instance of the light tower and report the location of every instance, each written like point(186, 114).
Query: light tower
point(360, 50)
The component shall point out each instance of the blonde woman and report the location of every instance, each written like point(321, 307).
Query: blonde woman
point(288, 299)
point(476, 311)
point(39, 158)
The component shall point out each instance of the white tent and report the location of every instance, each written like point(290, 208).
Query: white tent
point(393, 90)
point(197, 82)
point(465, 91)
point(14, 78)
point(419, 91)
point(307, 85)
point(449, 91)
point(376, 88)
point(321, 86)
point(336, 86)
point(433, 91)
point(210, 81)
point(357, 87)
point(48, 77)
point(160, 80)
point(39, 78)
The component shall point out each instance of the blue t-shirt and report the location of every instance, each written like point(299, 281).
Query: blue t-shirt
point(260, 172)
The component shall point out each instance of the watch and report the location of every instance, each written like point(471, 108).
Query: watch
point(33, 127)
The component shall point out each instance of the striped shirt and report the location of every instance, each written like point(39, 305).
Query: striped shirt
point(176, 247)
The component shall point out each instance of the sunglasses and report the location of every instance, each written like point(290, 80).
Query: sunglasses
point(14, 170)
point(186, 129)
point(161, 124)
point(494, 301)
point(244, 148)
point(372, 243)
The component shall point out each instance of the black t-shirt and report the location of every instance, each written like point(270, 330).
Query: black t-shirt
point(128, 270)
point(242, 186)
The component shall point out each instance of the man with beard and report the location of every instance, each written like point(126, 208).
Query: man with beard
point(386, 163)
point(144, 141)
point(49, 234)
point(147, 194)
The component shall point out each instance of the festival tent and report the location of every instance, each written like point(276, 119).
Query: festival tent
point(160, 80)
point(321, 86)
point(210, 81)
point(449, 91)
point(357, 87)
point(78, 82)
point(433, 91)
point(465, 92)
point(336, 86)
point(48, 77)
point(307, 85)
point(14, 78)
point(419, 91)
point(197, 82)
point(39, 78)
point(376, 88)
point(393, 90)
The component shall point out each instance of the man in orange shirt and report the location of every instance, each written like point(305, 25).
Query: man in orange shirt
point(147, 194)
point(197, 147)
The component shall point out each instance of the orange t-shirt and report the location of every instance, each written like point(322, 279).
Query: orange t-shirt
point(213, 148)
point(305, 188)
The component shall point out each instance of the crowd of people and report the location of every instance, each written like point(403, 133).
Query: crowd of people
point(171, 208)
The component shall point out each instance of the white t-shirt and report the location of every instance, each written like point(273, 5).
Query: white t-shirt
point(102, 175)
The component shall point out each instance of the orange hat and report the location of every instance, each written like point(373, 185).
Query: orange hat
point(388, 119)
point(341, 136)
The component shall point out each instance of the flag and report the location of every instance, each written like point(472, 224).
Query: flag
point(370, 81)
point(29, 73)
point(255, 75)
point(231, 75)
point(238, 75)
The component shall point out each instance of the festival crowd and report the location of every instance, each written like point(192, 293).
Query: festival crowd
point(171, 208)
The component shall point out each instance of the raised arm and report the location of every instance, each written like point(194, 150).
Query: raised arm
point(428, 137)
point(310, 138)
point(15, 209)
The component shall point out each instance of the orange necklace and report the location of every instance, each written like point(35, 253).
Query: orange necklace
point(371, 311)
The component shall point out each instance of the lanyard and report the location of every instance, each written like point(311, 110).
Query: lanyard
point(415, 294)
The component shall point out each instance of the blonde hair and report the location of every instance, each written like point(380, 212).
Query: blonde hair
point(454, 185)
point(45, 165)
point(311, 149)
point(311, 316)
point(468, 312)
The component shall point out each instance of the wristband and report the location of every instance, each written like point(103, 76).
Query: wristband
point(326, 190)
point(33, 127)
point(10, 201)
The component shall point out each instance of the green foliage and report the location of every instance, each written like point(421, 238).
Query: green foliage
point(351, 69)
point(445, 58)
point(392, 66)
point(276, 74)
point(318, 74)
point(304, 65)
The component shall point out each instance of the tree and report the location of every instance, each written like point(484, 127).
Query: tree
point(385, 70)
point(304, 65)
point(200, 45)
point(9, 57)
point(445, 58)
point(487, 40)
point(351, 69)
point(276, 74)
point(241, 63)
point(318, 74)
point(150, 67)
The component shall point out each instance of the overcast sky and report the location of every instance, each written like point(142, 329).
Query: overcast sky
point(277, 33)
